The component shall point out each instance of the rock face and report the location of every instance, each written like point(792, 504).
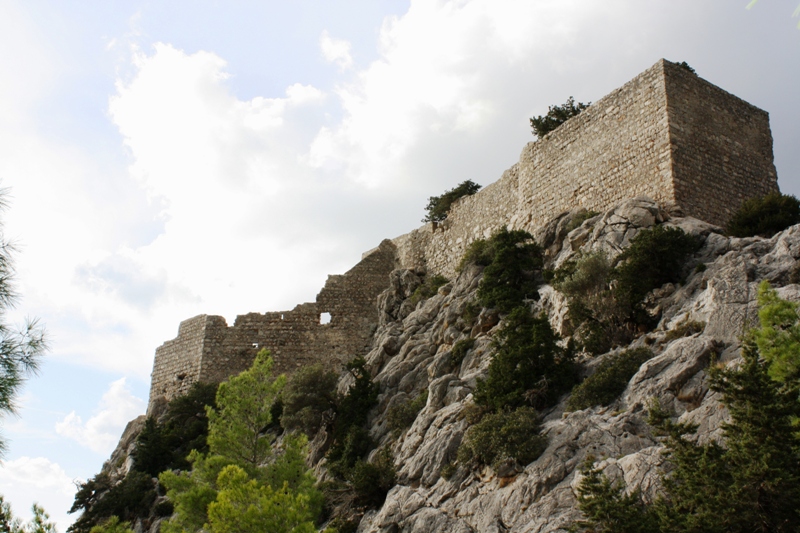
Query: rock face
point(411, 352)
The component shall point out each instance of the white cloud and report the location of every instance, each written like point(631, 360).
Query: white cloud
point(336, 50)
point(37, 479)
point(102, 431)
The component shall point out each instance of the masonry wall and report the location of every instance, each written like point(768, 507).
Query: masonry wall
point(666, 134)
point(210, 351)
point(721, 147)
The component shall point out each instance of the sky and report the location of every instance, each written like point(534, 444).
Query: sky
point(167, 159)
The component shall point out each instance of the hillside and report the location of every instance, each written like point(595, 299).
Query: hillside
point(699, 321)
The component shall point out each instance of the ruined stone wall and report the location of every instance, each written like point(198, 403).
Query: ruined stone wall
point(208, 350)
point(666, 134)
point(721, 147)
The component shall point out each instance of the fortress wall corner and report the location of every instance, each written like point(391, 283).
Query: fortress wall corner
point(721, 147)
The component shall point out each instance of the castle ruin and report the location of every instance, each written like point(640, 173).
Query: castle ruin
point(667, 134)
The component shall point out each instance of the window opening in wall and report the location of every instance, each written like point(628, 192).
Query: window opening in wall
point(324, 318)
point(255, 345)
point(281, 316)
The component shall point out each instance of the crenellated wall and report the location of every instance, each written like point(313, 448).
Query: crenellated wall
point(666, 134)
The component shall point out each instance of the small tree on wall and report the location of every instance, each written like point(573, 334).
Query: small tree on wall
point(439, 206)
point(556, 116)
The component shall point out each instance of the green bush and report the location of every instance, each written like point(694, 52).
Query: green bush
point(764, 215)
point(459, 351)
point(184, 428)
point(428, 288)
point(511, 259)
point(403, 414)
point(372, 481)
point(656, 256)
point(556, 116)
point(528, 367)
point(609, 380)
point(580, 218)
point(439, 206)
point(351, 440)
point(751, 483)
point(310, 392)
point(502, 436)
point(99, 500)
point(684, 329)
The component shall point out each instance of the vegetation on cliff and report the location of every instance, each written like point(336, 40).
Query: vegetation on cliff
point(764, 215)
point(439, 206)
point(556, 116)
point(751, 483)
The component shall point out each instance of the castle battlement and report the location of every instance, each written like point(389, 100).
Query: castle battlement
point(666, 134)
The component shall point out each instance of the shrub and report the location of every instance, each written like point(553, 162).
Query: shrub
point(685, 65)
point(580, 218)
point(310, 392)
point(511, 259)
point(764, 215)
point(403, 414)
point(99, 500)
point(351, 439)
point(752, 483)
point(556, 116)
point(656, 256)
point(685, 328)
point(609, 380)
point(439, 206)
point(184, 428)
point(471, 312)
point(372, 481)
point(428, 288)
point(502, 436)
point(460, 350)
point(528, 367)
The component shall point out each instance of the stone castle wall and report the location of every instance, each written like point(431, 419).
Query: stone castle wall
point(208, 350)
point(667, 134)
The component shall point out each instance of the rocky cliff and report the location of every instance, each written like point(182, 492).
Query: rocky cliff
point(411, 353)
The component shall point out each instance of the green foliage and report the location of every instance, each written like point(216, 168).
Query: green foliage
point(504, 436)
point(556, 116)
point(310, 392)
point(428, 288)
point(685, 328)
point(39, 523)
point(99, 500)
point(764, 215)
point(402, 414)
point(243, 409)
point(439, 206)
point(351, 439)
point(471, 311)
point(778, 338)
point(21, 349)
point(511, 259)
point(609, 380)
point(242, 482)
point(112, 525)
point(528, 367)
point(608, 509)
point(752, 483)
point(459, 351)
point(580, 218)
point(243, 504)
point(372, 481)
point(184, 428)
point(685, 65)
point(656, 256)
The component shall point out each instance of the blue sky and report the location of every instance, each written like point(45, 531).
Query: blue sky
point(168, 159)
